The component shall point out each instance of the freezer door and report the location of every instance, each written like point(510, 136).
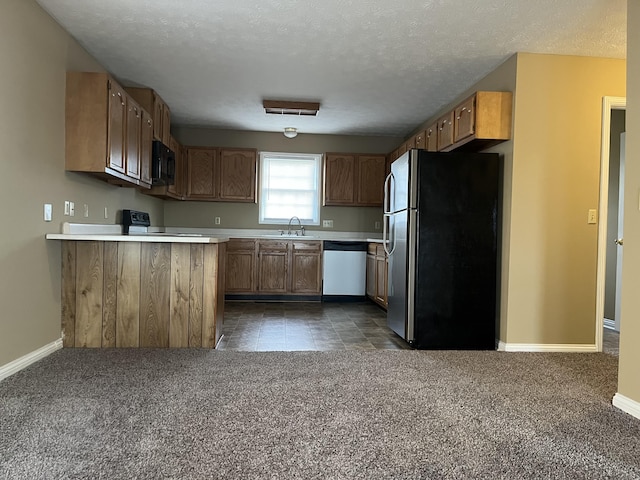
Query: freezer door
point(399, 186)
point(397, 305)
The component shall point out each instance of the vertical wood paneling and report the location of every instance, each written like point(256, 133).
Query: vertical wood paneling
point(195, 295)
point(155, 281)
point(179, 303)
point(209, 296)
point(109, 295)
point(128, 295)
point(68, 294)
point(220, 288)
point(89, 285)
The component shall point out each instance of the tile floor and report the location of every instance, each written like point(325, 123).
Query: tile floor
point(263, 326)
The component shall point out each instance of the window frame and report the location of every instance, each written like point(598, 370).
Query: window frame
point(318, 158)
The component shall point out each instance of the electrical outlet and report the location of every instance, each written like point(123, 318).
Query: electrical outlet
point(67, 207)
point(47, 212)
point(327, 223)
point(86, 210)
point(106, 212)
point(593, 216)
point(217, 221)
point(72, 209)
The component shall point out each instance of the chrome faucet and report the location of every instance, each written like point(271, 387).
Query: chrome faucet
point(301, 228)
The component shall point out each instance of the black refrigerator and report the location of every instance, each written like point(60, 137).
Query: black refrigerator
point(441, 220)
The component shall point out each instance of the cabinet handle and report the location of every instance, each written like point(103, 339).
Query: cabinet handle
point(462, 111)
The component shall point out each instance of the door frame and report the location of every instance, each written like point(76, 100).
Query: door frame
point(608, 104)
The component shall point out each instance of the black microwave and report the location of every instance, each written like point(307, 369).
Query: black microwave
point(163, 164)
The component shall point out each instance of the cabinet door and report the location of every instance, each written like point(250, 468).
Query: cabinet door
point(146, 137)
point(202, 173)
point(134, 129)
point(431, 138)
point(177, 188)
point(371, 276)
point(339, 171)
point(465, 116)
point(402, 149)
point(381, 280)
point(158, 114)
point(421, 139)
point(445, 131)
point(238, 175)
point(370, 180)
point(240, 266)
point(116, 128)
point(166, 124)
point(273, 266)
point(306, 267)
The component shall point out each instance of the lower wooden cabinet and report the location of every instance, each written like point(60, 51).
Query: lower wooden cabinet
point(274, 267)
point(377, 274)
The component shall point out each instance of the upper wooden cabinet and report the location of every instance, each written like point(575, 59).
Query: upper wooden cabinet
point(151, 101)
point(482, 120)
point(445, 131)
point(103, 130)
point(354, 179)
point(431, 138)
point(221, 174)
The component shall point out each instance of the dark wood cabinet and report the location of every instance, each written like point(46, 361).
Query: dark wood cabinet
point(221, 174)
point(146, 138)
point(241, 266)
point(354, 179)
point(377, 274)
point(161, 114)
point(103, 130)
point(266, 267)
point(306, 267)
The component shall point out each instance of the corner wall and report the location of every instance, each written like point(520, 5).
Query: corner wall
point(628, 377)
point(36, 54)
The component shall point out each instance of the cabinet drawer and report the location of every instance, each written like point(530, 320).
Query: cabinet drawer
point(307, 246)
point(272, 245)
point(240, 244)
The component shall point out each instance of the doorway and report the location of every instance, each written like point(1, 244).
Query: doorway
point(608, 264)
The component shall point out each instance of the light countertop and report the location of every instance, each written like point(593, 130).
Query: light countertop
point(147, 238)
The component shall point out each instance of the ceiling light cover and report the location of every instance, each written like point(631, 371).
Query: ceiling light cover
point(281, 107)
point(290, 132)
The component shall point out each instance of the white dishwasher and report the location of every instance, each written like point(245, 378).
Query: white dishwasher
point(344, 270)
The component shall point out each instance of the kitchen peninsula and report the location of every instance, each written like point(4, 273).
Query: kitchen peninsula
point(153, 290)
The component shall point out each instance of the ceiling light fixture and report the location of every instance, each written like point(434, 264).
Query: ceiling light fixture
point(290, 132)
point(281, 107)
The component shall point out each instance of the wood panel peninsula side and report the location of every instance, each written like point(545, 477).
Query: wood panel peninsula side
point(123, 291)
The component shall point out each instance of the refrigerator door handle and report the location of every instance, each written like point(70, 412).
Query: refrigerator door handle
point(385, 235)
point(388, 184)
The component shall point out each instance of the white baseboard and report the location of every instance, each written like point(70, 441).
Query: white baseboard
point(26, 360)
point(544, 347)
point(626, 405)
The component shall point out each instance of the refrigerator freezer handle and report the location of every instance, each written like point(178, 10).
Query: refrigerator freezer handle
point(386, 244)
point(388, 184)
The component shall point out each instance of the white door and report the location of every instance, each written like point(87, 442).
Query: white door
point(619, 239)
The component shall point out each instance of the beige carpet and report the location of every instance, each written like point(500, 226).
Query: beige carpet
point(315, 415)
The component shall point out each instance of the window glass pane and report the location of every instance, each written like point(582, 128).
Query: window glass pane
point(289, 186)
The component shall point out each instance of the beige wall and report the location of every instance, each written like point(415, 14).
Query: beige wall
point(628, 377)
point(234, 215)
point(556, 172)
point(36, 53)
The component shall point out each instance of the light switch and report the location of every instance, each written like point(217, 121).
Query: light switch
point(327, 224)
point(72, 209)
point(86, 210)
point(593, 216)
point(47, 212)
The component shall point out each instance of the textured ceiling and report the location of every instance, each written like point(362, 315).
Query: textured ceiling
point(377, 67)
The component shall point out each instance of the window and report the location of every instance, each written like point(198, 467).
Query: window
point(289, 187)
